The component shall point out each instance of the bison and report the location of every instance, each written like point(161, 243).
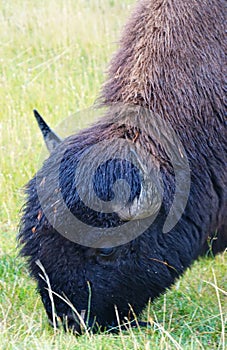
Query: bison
point(121, 209)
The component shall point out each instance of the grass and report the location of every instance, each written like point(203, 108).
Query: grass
point(53, 57)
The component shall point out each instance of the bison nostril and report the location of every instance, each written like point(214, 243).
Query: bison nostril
point(105, 251)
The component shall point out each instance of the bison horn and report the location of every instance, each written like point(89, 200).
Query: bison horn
point(50, 138)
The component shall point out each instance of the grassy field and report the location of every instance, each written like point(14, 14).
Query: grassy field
point(53, 57)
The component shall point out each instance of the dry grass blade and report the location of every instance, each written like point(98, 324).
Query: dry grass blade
point(46, 279)
point(80, 318)
point(221, 312)
point(162, 329)
point(120, 330)
point(65, 299)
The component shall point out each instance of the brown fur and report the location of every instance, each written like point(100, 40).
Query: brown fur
point(171, 59)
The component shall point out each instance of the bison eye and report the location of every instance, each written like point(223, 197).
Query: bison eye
point(105, 251)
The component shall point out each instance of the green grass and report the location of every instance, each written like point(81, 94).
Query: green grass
point(53, 57)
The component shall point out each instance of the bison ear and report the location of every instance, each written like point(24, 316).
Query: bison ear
point(50, 138)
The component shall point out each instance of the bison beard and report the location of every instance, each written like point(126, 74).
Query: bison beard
point(170, 61)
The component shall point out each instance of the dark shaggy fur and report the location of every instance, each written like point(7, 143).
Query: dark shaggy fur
point(170, 60)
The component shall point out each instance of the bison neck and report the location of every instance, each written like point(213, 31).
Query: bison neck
point(170, 60)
